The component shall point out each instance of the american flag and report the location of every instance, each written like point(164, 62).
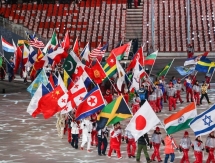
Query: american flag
point(98, 52)
point(34, 41)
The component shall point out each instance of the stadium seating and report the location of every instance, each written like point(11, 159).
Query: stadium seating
point(104, 21)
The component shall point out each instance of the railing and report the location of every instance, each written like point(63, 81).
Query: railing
point(18, 29)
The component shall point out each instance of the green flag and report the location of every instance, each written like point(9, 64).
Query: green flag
point(114, 112)
point(70, 64)
point(1, 60)
point(54, 40)
point(165, 69)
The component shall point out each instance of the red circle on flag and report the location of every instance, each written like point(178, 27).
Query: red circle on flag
point(140, 122)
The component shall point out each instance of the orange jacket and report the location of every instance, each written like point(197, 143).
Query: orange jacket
point(169, 145)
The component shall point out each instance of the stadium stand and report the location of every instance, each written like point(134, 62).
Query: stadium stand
point(110, 21)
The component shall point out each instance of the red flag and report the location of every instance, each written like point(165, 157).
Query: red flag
point(92, 103)
point(17, 58)
point(37, 64)
point(48, 104)
point(111, 60)
point(96, 72)
point(76, 48)
point(138, 56)
point(66, 42)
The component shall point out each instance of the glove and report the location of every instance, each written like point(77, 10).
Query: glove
point(203, 149)
point(180, 149)
point(126, 140)
point(123, 138)
point(207, 150)
point(84, 125)
point(162, 141)
point(150, 145)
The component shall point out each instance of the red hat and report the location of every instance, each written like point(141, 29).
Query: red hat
point(186, 133)
point(179, 79)
point(157, 128)
point(108, 91)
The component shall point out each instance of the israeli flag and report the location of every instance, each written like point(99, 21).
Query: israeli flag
point(204, 123)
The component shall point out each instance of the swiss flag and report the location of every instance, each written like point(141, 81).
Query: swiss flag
point(92, 103)
point(142, 121)
point(74, 96)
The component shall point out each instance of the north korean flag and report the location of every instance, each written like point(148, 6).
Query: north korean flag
point(92, 103)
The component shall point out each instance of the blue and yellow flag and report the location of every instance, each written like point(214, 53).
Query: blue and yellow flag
point(205, 65)
point(40, 79)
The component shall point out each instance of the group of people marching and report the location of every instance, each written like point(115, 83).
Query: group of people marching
point(162, 92)
point(88, 130)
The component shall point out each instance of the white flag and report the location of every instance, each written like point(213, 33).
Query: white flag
point(143, 120)
point(121, 75)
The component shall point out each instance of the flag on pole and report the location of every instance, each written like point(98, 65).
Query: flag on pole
point(92, 103)
point(164, 71)
point(180, 120)
point(204, 123)
point(7, 46)
point(70, 64)
point(76, 48)
point(66, 42)
point(143, 120)
point(150, 59)
point(54, 40)
point(121, 51)
point(114, 112)
point(85, 53)
point(121, 75)
point(110, 66)
point(34, 41)
point(184, 71)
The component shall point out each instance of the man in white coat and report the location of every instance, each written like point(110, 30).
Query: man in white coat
point(86, 126)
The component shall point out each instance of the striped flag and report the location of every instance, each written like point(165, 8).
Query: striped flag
point(34, 41)
point(98, 52)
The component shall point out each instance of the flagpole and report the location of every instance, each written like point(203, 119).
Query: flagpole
point(153, 64)
point(2, 47)
point(169, 67)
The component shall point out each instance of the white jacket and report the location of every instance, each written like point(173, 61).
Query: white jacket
point(75, 128)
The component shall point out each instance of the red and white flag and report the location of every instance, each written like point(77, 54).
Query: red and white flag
point(142, 121)
point(74, 96)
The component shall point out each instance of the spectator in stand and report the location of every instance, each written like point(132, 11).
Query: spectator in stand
point(150, 50)
point(129, 4)
point(190, 51)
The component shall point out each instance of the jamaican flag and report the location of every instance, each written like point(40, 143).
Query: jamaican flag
point(165, 69)
point(114, 112)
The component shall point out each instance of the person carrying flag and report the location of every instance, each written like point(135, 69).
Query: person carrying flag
point(169, 148)
point(102, 141)
point(196, 90)
point(189, 91)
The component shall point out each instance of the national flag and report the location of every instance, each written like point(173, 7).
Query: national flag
point(58, 54)
point(92, 103)
point(143, 120)
point(70, 64)
point(114, 112)
point(34, 41)
point(180, 120)
point(55, 79)
point(1, 61)
point(165, 70)
point(110, 66)
point(33, 108)
point(138, 73)
point(61, 83)
point(66, 78)
point(31, 57)
point(54, 40)
point(47, 47)
point(51, 81)
point(74, 96)
point(138, 56)
point(48, 104)
point(184, 71)
point(6, 46)
point(40, 79)
point(85, 53)
point(76, 48)
point(121, 51)
point(98, 52)
point(204, 123)
point(25, 55)
point(96, 72)
point(150, 59)
point(121, 75)
point(66, 42)
point(205, 65)
point(17, 57)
